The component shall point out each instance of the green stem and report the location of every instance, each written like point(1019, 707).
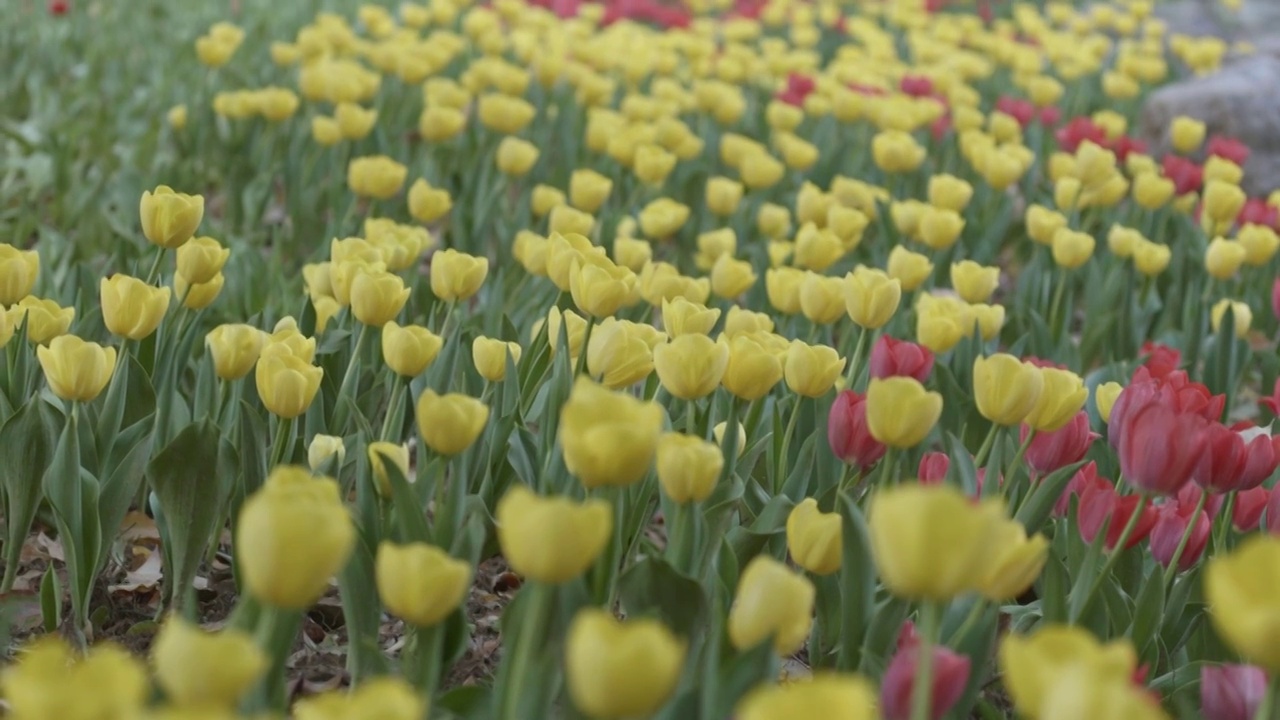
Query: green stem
point(1266, 709)
point(985, 450)
point(922, 685)
point(730, 440)
point(527, 644)
point(425, 662)
point(586, 341)
point(1224, 523)
point(779, 479)
point(1017, 459)
point(691, 418)
point(1114, 557)
point(680, 537)
point(1056, 322)
point(975, 613)
point(1172, 569)
point(154, 272)
point(340, 412)
point(855, 362)
point(284, 438)
point(275, 632)
point(395, 416)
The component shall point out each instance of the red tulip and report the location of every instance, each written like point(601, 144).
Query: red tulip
point(1257, 211)
point(1171, 524)
point(1247, 512)
point(1099, 504)
point(1049, 451)
point(916, 85)
point(1161, 359)
point(1231, 692)
point(847, 431)
point(1084, 479)
point(1228, 149)
point(1271, 520)
point(1124, 145)
point(1187, 176)
point(798, 87)
point(1261, 458)
point(892, 357)
point(1050, 116)
point(59, 7)
point(933, 468)
point(1160, 448)
point(1189, 496)
point(1221, 465)
point(950, 676)
point(1079, 130)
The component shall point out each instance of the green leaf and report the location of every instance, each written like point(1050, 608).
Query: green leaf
point(190, 487)
point(653, 586)
point(50, 600)
point(469, 703)
point(1148, 611)
point(410, 516)
point(1035, 511)
point(27, 440)
point(857, 583)
point(746, 670)
point(361, 611)
point(962, 465)
point(1053, 588)
point(120, 489)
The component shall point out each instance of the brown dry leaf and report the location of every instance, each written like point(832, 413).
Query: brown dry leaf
point(137, 527)
point(22, 612)
point(144, 578)
point(46, 548)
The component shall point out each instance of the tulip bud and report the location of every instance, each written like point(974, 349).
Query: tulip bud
point(450, 423)
point(1223, 258)
point(896, 151)
point(387, 697)
point(1152, 192)
point(1186, 134)
point(1151, 259)
point(950, 677)
point(814, 538)
point(1243, 316)
point(1043, 224)
point(588, 190)
point(381, 454)
point(817, 248)
point(940, 228)
point(871, 297)
point(1104, 397)
point(908, 268)
point(198, 297)
point(604, 679)
point(608, 438)
point(1016, 561)
point(1171, 524)
point(377, 297)
point(752, 370)
point(662, 218)
point(408, 350)
point(811, 370)
point(619, 353)
point(200, 259)
point(76, 370)
point(288, 338)
point(324, 448)
point(235, 349)
point(682, 317)
point(375, 176)
point(1222, 201)
point(428, 204)
point(771, 601)
point(169, 219)
point(438, 123)
point(973, 282)
point(505, 114)
point(1231, 692)
point(1061, 397)
point(773, 221)
point(564, 219)
point(551, 539)
point(632, 253)
point(691, 366)
point(325, 131)
point(457, 276)
point(1142, 428)
point(1006, 389)
point(731, 278)
point(132, 308)
point(197, 669)
point(822, 298)
point(420, 583)
point(490, 357)
point(688, 467)
point(723, 196)
point(825, 695)
point(294, 534)
point(516, 157)
point(900, 412)
point(18, 272)
point(1072, 249)
point(286, 383)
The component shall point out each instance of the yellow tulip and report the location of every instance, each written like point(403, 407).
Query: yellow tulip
point(1016, 562)
point(908, 268)
point(1062, 396)
point(950, 192)
point(565, 220)
point(814, 538)
point(1223, 258)
point(731, 278)
point(551, 539)
point(450, 423)
point(600, 288)
point(760, 170)
point(895, 151)
point(1071, 248)
point(989, 318)
point(973, 282)
point(1222, 201)
point(170, 218)
point(608, 438)
point(177, 117)
point(691, 366)
point(76, 370)
point(377, 297)
point(871, 297)
point(132, 308)
point(783, 288)
point(632, 253)
point(408, 350)
point(1240, 587)
point(1260, 244)
point(1152, 192)
point(198, 297)
point(1186, 134)
point(294, 534)
point(1240, 311)
point(817, 248)
point(900, 412)
point(739, 321)
point(811, 370)
point(354, 122)
point(439, 123)
point(825, 695)
point(382, 453)
point(771, 602)
point(325, 131)
point(1222, 169)
point(505, 114)
point(420, 583)
point(575, 329)
point(1151, 259)
point(930, 542)
point(516, 157)
point(386, 698)
point(662, 218)
point(428, 204)
point(489, 356)
point(1104, 398)
point(376, 176)
point(822, 298)
point(200, 259)
point(18, 272)
point(940, 228)
point(286, 383)
point(457, 276)
point(588, 189)
point(752, 370)
point(235, 349)
point(201, 670)
point(619, 353)
point(723, 196)
point(1034, 664)
point(688, 467)
point(108, 682)
point(653, 164)
point(1006, 389)
point(1043, 224)
point(617, 669)
point(325, 448)
point(773, 221)
point(286, 336)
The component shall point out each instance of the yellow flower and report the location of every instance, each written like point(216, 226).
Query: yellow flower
point(662, 218)
point(900, 412)
point(1186, 134)
point(551, 539)
point(990, 319)
point(632, 253)
point(200, 259)
point(177, 117)
point(822, 298)
point(566, 220)
point(286, 337)
point(1006, 389)
point(825, 695)
point(871, 297)
point(234, 348)
point(817, 249)
point(439, 123)
point(688, 467)
point(132, 308)
point(76, 370)
point(895, 151)
point(930, 542)
point(386, 698)
point(1240, 311)
point(691, 366)
point(588, 189)
point(214, 52)
point(1260, 244)
point(618, 669)
point(783, 287)
point(949, 192)
point(1043, 224)
point(847, 224)
point(811, 370)
point(599, 287)
point(408, 350)
point(653, 164)
point(814, 538)
point(1016, 562)
point(457, 276)
point(376, 176)
point(169, 218)
point(973, 282)
point(575, 327)
point(1072, 248)
point(1219, 168)
point(18, 272)
point(1151, 191)
point(505, 114)
point(731, 278)
point(723, 196)
point(1223, 258)
point(942, 322)
point(752, 370)
point(420, 583)
point(354, 122)
point(450, 423)
point(516, 157)
point(1151, 258)
point(294, 534)
point(1034, 664)
point(1123, 241)
point(1240, 587)
point(108, 682)
point(325, 131)
point(773, 221)
point(619, 354)
point(490, 357)
point(771, 602)
point(544, 199)
point(197, 669)
point(1222, 201)
point(324, 448)
point(908, 268)
point(740, 321)
point(380, 453)
point(940, 228)
point(1063, 394)
point(714, 244)
point(286, 383)
point(1104, 397)
point(608, 438)
point(377, 297)
point(428, 204)
point(760, 170)
point(198, 297)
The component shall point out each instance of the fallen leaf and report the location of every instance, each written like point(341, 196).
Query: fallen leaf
point(143, 579)
point(137, 526)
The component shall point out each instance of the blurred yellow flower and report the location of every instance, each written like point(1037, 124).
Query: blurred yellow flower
point(752, 370)
point(608, 438)
point(456, 275)
point(450, 423)
point(170, 218)
point(688, 467)
point(618, 669)
point(900, 412)
point(811, 370)
point(814, 538)
point(420, 583)
point(551, 539)
point(825, 695)
point(516, 157)
point(376, 176)
point(1006, 389)
point(771, 602)
point(197, 669)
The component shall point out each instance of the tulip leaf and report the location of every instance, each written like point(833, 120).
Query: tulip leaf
point(1053, 588)
point(653, 587)
point(962, 467)
point(882, 635)
point(190, 488)
point(1147, 614)
point(50, 599)
point(857, 583)
point(27, 442)
point(744, 671)
point(1176, 602)
point(120, 488)
point(361, 611)
point(410, 518)
point(1037, 508)
point(468, 702)
point(1087, 572)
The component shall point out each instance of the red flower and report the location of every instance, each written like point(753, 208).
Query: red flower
point(1221, 465)
point(1275, 298)
point(950, 676)
point(916, 85)
point(798, 88)
point(1021, 110)
point(1189, 496)
point(1187, 176)
point(1159, 447)
point(891, 357)
point(1072, 135)
point(862, 89)
point(1228, 149)
point(1272, 401)
point(1161, 359)
point(1247, 513)
point(1272, 518)
point(1099, 504)
point(1042, 363)
point(847, 431)
point(1050, 116)
point(1171, 524)
point(59, 7)
point(1261, 457)
point(1231, 692)
point(1124, 145)
point(933, 468)
point(940, 127)
point(1084, 479)
point(1049, 451)
point(1257, 211)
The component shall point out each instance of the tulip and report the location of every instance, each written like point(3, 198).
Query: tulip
point(1151, 191)
point(354, 122)
point(1239, 589)
point(324, 448)
point(200, 259)
point(1148, 460)
point(942, 322)
point(1222, 201)
point(170, 218)
point(1104, 398)
point(382, 453)
point(428, 204)
point(1242, 316)
point(682, 317)
point(204, 670)
point(19, 270)
point(619, 354)
point(848, 434)
point(1072, 249)
point(895, 151)
point(564, 251)
point(617, 669)
point(235, 349)
point(760, 170)
point(771, 602)
point(825, 695)
point(544, 199)
point(325, 131)
point(286, 383)
point(132, 308)
point(551, 540)
point(108, 682)
point(1061, 397)
point(1016, 562)
point(1043, 224)
point(950, 192)
point(294, 533)
point(714, 244)
point(752, 370)
point(575, 328)
point(1006, 389)
point(588, 190)
point(1231, 692)
point(891, 357)
point(286, 337)
point(783, 288)
point(731, 277)
point(409, 349)
point(940, 228)
point(814, 538)
point(1059, 448)
point(740, 321)
point(450, 423)
point(974, 282)
point(1186, 134)
point(376, 176)
point(386, 698)
point(1101, 503)
point(688, 467)
point(718, 433)
point(662, 218)
point(438, 123)
point(76, 370)
point(950, 677)
point(377, 297)
point(773, 221)
point(811, 370)
point(457, 276)
point(1171, 524)
point(44, 319)
point(653, 164)
point(933, 468)
point(1246, 515)
point(420, 583)
point(198, 297)
point(1034, 667)
point(565, 219)
point(1221, 466)
point(930, 542)
point(847, 224)
point(516, 157)
point(608, 438)
point(900, 412)
point(490, 357)
point(723, 196)
point(908, 268)
point(505, 114)
point(632, 253)
point(822, 299)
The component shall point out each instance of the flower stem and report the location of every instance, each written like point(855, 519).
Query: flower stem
point(1017, 458)
point(922, 685)
point(1172, 569)
point(1114, 557)
point(392, 423)
point(785, 450)
point(340, 412)
point(855, 362)
point(527, 643)
point(985, 450)
point(1266, 709)
point(284, 438)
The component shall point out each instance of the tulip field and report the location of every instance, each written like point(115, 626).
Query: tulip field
point(690, 360)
